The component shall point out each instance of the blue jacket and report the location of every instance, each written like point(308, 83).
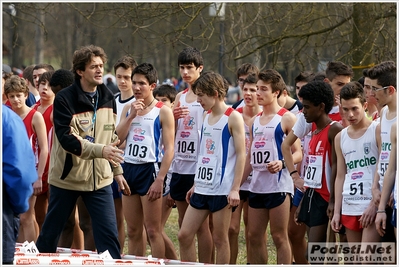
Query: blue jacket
point(19, 170)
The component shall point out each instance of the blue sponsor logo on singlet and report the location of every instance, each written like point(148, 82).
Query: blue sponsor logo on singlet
point(259, 144)
point(357, 175)
point(205, 160)
point(184, 134)
point(138, 138)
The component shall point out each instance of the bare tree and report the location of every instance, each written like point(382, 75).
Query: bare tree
point(289, 37)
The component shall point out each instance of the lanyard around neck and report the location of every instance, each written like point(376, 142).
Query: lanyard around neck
point(93, 120)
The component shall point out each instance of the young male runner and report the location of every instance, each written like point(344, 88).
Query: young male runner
point(219, 169)
point(357, 152)
point(148, 128)
point(271, 185)
point(189, 116)
point(318, 100)
point(383, 88)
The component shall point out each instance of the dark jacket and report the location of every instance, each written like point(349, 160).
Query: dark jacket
point(76, 163)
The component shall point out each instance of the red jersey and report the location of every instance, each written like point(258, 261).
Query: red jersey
point(319, 162)
point(31, 133)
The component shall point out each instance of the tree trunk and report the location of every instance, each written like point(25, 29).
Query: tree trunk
point(39, 36)
point(363, 37)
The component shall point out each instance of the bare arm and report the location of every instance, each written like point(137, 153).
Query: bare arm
point(39, 126)
point(339, 184)
point(376, 191)
point(129, 112)
point(236, 128)
point(247, 165)
point(289, 140)
point(334, 130)
point(168, 135)
point(179, 111)
point(288, 121)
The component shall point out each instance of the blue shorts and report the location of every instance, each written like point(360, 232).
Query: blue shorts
point(297, 197)
point(180, 184)
point(394, 221)
point(205, 202)
point(140, 177)
point(115, 193)
point(244, 195)
point(266, 201)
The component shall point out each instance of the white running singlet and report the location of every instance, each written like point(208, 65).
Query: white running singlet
point(361, 159)
point(266, 147)
point(216, 158)
point(144, 142)
point(187, 138)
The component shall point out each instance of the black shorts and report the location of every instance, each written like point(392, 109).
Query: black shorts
point(266, 201)
point(244, 195)
point(180, 184)
point(140, 177)
point(389, 230)
point(206, 202)
point(313, 210)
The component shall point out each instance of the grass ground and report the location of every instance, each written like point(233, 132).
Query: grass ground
point(172, 228)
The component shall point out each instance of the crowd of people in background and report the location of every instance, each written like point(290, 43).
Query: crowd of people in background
point(105, 150)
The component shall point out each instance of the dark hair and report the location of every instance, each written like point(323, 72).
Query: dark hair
point(305, 76)
point(247, 68)
point(84, 55)
point(210, 83)
point(7, 75)
point(365, 72)
point(148, 70)
point(125, 62)
point(320, 76)
point(274, 78)
point(46, 76)
point(165, 90)
point(190, 55)
point(16, 84)
point(384, 73)
point(338, 68)
point(361, 81)
point(28, 74)
point(353, 90)
point(318, 92)
point(365, 75)
point(62, 78)
point(45, 66)
point(251, 78)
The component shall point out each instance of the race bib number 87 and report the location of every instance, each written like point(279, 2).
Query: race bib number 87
point(314, 172)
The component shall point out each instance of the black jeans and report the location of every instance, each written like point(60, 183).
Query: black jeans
point(100, 206)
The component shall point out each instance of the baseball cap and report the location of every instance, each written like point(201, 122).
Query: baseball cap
point(6, 69)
